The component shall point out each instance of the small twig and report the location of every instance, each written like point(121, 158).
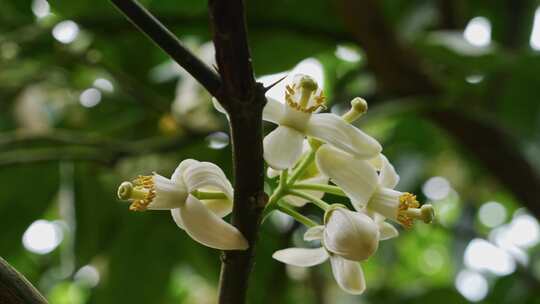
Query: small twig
point(167, 41)
point(15, 288)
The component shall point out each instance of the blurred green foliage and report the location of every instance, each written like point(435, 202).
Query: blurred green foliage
point(61, 161)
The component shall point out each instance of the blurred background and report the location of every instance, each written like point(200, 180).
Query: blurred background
point(86, 101)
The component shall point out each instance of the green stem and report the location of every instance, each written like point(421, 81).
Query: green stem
point(320, 203)
point(283, 178)
point(320, 187)
point(299, 170)
point(296, 215)
point(203, 195)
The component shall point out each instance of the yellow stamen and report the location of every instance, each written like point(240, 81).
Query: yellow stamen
point(141, 192)
point(306, 86)
point(409, 210)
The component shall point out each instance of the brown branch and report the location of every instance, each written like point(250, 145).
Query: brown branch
point(168, 42)
point(15, 288)
point(244, 99)
point(401, 72)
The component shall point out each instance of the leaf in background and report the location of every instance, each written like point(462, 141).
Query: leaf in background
point(27, 192)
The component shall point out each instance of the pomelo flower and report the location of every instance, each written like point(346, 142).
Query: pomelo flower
point(200, 218)
point(370, 191)
point(347, 238)
point(297, 118)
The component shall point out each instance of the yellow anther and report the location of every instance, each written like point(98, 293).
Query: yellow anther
point(140, 192)
point(409, 210)
point(306, 87)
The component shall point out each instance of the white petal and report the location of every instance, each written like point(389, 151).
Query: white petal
point(299, 201)
point(377, 161)
point(178, 174)
point(314, 233)
point(220, 207)
point(303, 257)
point(333, 130)
point(352, 235)
point(387, 231)
point(283, 147)
point(356, 177)
point(348, 275)
point(273, 110)
point(205, 176)
point(169, 194)
point(176, 217)
point(388, 177)
point(207, 228)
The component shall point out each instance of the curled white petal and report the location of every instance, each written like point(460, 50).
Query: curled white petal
point(352, 235)
point(207, 176)
point(303, 257)
point(283, 147)
point(207, 228)
point(387, 231)
point(348, 275)
point(388, 177)
point(314, 233)
point(169, 194)
point(333, 130)
point(356, 177)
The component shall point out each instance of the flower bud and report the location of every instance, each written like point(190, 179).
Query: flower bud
point(352, 235)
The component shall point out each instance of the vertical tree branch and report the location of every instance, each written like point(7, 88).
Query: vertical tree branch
point(15, 288)
point(244, 99)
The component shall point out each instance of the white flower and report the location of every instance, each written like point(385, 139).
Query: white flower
point(297, 119)
point(369, 191)
point(352, 235)
point(348, 274)
point(201, 219)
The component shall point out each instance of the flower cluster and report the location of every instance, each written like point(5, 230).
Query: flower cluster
point(313, 153)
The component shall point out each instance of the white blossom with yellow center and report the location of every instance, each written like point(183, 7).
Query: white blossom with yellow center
point(369, 191)
point(200, 218)
point(298, 118)
point(347, 238)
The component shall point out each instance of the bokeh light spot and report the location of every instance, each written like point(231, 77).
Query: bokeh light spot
point(90, 97)
point(471, 285)
point(436, 188)
point(104, 84)
point(65, 31)
point(42, 237)
point(217, 140)
point(492, 214)
point(478, 32)
point(41, 8)
point(482, 255)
